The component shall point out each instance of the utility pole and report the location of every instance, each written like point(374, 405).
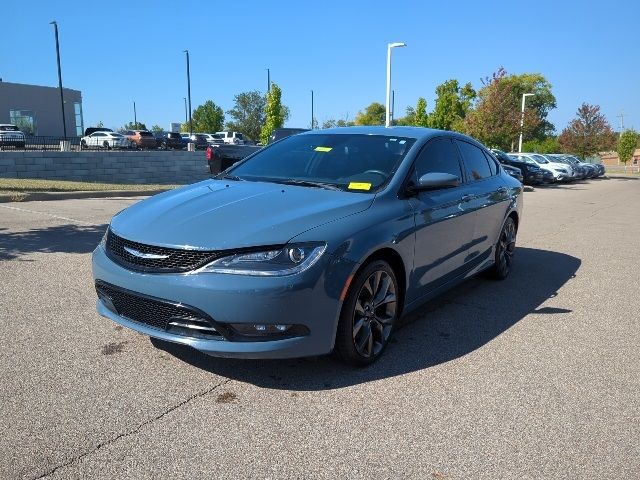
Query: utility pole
point(64, 122)
point(312, 122)
point(135, 116)
point(186, 118)
point(621, 117)
point(268, 81)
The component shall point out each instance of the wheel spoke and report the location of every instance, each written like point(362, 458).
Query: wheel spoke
point(383, 288)
point(359, 308)
point(357, 327)
point(364, 339)
point(391, 297)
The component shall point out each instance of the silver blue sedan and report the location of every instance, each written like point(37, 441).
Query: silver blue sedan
point(316, 243)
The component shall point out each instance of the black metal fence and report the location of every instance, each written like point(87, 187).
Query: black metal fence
point(76, 144)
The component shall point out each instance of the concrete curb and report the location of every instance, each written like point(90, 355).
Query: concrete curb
point(46, 196)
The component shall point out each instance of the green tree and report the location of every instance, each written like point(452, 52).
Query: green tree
point(207, 118)
point(627, 145)
point(341, 122)
point(421, 119)
point(548, 145)
point(495, 120)
point(157, 128)
point(542, 101)
point(374, 114)
point(409, 119)
point(452, 105)
point(274, 113)
point(99, 124)
point(247, 114)
point(133, 126)
point(588, 133)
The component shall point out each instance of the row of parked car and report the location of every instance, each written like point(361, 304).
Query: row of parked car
point(143, 139)
point(537, 168)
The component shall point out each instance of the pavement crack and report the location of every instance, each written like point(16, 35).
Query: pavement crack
point(133, 431)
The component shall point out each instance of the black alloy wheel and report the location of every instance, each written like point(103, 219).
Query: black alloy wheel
point(368, 315)
point(505, 249)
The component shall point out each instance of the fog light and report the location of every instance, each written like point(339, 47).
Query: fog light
point(260, 328)
point(282, 328)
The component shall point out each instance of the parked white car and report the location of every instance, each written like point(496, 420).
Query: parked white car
point(10, 135)
point(213, 138)
point(234, 138)
point(104, 140)
point(560, 171)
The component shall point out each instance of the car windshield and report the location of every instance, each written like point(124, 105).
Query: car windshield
point(540, 159)
point(352, 162)
point(9, 128)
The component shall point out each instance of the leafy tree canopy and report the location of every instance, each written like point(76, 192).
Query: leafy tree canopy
point(207, 118)
point(452, 105)
point(587, 134)
point(548, 145)
point(247, 114)
point(420, 117)
point(274, 113)
point(627, 145)
point(133, 126)
point(495, 120)
point(374, 114)
point(157, 128)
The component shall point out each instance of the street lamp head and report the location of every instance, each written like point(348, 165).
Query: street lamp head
point(53, 23)
point(397, 44)
point(528, 94)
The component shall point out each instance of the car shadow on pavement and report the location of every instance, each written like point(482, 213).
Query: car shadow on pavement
point(453, 325)
point(69, 238)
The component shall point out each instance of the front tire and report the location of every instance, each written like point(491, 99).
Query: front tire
point(368, 315)
point(505, 249)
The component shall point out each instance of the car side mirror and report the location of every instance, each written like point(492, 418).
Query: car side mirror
point(436, 181)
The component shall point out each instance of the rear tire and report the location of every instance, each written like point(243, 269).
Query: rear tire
point(369, 314)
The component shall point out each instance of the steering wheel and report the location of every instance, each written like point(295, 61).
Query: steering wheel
point(377, 172)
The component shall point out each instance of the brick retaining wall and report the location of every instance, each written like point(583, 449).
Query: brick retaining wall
point(106, 166)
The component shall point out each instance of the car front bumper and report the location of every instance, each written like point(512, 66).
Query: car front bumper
point(311, 299)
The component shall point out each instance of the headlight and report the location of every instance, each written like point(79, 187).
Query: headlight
point(288, 260)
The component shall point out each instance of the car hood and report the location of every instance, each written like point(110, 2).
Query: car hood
point(216, 215)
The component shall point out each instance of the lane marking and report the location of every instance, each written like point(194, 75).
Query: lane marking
point(59, 217)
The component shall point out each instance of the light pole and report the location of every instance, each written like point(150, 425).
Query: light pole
point(268, 81)
point(393, 104)
point(389, 47)
point(135, 116)
point(524, 96)
point(64, 122)
point(189, 93)
point(186, 118)
point(312, 110)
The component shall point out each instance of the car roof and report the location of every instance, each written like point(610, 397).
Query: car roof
point(419, 133)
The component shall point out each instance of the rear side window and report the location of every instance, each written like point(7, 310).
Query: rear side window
point(439, 155)
point(475, 162)
point(493, 165)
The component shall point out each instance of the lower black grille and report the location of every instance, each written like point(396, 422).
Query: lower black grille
point(153, 259)
point(156, 313)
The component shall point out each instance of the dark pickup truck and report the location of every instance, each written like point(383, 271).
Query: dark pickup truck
point(221, 157)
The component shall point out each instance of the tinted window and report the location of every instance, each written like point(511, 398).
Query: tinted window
point(475, 162)
point(492, 163)
point(9, 128)
point(439, 155)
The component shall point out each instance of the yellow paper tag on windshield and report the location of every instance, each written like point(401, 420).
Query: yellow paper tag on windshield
point(359, 186)
point(322, 149)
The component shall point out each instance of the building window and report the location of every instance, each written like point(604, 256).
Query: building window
point(77, 108)
point(25, 120)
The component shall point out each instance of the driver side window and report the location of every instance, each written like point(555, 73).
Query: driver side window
point(439, 155)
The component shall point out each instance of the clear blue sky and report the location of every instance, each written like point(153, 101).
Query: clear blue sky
point(117, 52)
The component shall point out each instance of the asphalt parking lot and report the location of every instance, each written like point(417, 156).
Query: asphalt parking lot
point(535, 377)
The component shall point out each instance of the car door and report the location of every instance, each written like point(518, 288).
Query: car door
point(443, 221)
point(489, 199)
point(95, 138)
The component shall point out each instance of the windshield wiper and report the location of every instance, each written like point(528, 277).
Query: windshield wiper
point(306, 183)
point(227, 176)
